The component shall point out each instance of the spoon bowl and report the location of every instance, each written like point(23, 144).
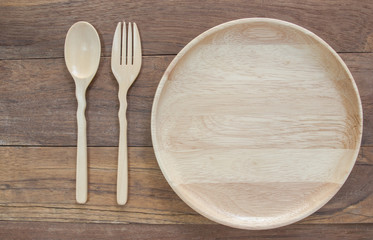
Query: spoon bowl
point(82, 50)
point(82, 56)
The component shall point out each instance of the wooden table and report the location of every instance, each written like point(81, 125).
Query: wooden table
point(38, 123)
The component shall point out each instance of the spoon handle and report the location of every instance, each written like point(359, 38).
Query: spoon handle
point(122, 177)
point(81, 160)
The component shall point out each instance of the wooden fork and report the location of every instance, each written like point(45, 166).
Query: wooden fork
point(125, 64)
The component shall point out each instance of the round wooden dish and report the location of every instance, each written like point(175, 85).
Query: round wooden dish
point(256, 123)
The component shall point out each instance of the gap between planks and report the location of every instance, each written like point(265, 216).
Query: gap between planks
point(145, 56)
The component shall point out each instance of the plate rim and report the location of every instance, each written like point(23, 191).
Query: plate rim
point(193, 43)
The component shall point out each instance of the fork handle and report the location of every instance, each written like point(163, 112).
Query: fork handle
point(122, 176)
point(81, 156)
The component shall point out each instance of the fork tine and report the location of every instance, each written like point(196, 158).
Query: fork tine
point(115, 51)
point(129, 46)
point(136, 46)
point(124, 44)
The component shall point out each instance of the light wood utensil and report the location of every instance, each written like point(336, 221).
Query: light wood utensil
point(125, 64)
point(82, 57)
point(256, 123)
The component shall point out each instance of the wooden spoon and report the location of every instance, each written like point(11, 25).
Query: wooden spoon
point(82, 56)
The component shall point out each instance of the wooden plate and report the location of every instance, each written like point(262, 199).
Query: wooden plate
point(256, 123)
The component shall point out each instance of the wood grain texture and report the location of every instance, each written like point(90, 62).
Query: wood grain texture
point(37, 29)
point(256, 123)
point(38, 106)
point(38, 184)
point(37, 230)
point(361, 68)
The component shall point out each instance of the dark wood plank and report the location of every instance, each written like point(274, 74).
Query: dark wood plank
point(367, 155)
point(52, 230)
point(38, 184)
point(38, 106)
point(37, 29)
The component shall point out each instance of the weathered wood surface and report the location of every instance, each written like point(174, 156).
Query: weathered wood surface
point(38, 184)
point(37, 29)
point(43, 230)
point(38, 105)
